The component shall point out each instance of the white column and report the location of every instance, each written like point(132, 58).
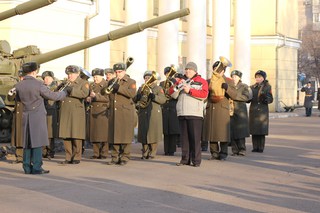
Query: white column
point(242, 38)
point(221, 30)
point(137, 43)
point(196, 36)
point(99, 25)
point(168, 41)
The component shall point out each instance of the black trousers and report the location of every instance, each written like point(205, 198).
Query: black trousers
point(258, 143)
point(190, 137)
point(170, 143)
point(308, 111)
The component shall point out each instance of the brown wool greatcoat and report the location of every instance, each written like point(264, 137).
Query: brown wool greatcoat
point(239, 120)
point(17, 134)
point(31, 93)
point(150, 128)
point(99, 113)
point(72, 111)
point(259, 109)
point(121, 112)
point(216, 125)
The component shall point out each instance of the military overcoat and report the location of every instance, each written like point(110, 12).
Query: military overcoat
point(259, 109)
point(170, 119)
point(31, 93)
point(16, 132)
point(309, 96)
point(216, 126)
point(72, 111)
point(150, 118)
point(52, 114)
point(239, 119)
point(99, 113)
point(121, 112)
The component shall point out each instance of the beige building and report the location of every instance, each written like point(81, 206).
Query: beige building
point(253, 34)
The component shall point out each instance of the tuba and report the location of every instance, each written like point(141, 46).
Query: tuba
point(145, 91)
point(168, 83)
point(216, 92)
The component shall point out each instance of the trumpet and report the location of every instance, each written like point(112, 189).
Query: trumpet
point(107, 90)
point(180, 85)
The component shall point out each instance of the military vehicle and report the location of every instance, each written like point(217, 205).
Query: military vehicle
point(10, 63)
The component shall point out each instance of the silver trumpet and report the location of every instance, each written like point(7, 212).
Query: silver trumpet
point(180, 85)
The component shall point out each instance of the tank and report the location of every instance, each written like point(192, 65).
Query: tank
point(10, 63)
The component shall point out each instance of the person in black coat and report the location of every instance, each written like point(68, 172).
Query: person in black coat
point(308, 98)
point(259, 110)
point(170, 121)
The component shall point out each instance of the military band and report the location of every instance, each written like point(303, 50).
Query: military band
point(111, 107)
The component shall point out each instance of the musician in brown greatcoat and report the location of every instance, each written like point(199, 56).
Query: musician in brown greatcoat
point(17, 134)
point(217, 117)
point(72, 127)
point(148, 100)
point(98, 115)
point(121, 117)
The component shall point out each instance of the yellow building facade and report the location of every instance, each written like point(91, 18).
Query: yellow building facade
point(273, 37)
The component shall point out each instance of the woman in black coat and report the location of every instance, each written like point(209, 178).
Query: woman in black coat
point(259, 111)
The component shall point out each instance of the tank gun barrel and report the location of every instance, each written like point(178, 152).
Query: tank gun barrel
point(25, 8)
point(113, 35)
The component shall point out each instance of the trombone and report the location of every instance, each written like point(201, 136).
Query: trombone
point(64, 85)
point(107, 90)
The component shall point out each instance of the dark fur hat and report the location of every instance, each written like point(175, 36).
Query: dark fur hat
point(47, 73)
point(72, 69)
point(119, 66)
point(108, 70)
point(236, 72)
point(166, 70)
point(29, 67)
point(262, 73)
point(97, 71)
